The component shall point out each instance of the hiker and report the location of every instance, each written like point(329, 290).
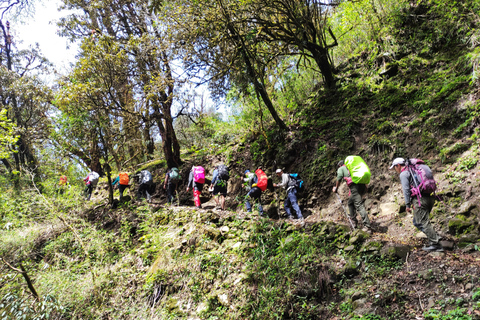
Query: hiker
point(63, 180)
point(355, 201)
point(91, 181)
point(172, 177)
point(219, 184)
point(254, 192)
point(413, 188)
point(196, 179)
point(291, 199)
point(145, 179)
point(122, 180)
point(62, 184)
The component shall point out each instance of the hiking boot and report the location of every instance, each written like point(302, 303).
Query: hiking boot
point(433, 247)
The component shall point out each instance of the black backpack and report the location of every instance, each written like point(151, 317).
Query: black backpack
point(223, 173)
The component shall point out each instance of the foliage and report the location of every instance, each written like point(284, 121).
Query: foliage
point(456, 314)
point(14, 307)
point(7, 134)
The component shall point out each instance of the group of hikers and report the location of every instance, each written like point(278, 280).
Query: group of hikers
point(415, 176)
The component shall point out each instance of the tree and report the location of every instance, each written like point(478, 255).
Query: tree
point(149, 78)
point(22, 93)
point(300, 25)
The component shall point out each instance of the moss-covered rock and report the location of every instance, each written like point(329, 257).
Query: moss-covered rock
point(458, 226)
point(395, 251)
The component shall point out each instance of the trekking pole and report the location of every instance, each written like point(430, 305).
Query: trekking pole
point(346, 213)
point(417, 187)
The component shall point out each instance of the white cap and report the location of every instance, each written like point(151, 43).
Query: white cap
point(397, 161)
point(278, 171)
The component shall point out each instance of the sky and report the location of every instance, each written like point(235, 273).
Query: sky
point(42, 29)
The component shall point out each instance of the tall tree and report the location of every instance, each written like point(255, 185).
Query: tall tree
point(150, 78)
point(22, 93)
point(221, 49)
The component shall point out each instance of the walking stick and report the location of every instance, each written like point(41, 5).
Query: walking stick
point(346, 213)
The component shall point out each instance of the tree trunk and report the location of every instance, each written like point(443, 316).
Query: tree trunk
point(252, 74)
point(320, 55)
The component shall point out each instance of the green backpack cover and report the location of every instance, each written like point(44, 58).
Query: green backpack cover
point(359, 171)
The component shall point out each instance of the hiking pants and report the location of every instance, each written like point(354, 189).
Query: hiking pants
point(170, 192)
point(255, 193)
point(355, 203)
point(143, 191)
point(292, 200)
point(421, 217)
point(121, 189)
point(196, 198)
point(88, 191)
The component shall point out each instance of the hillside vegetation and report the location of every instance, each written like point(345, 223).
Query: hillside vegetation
point(406, 85)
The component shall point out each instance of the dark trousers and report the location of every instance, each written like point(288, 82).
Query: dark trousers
point(421, 218)
point(291, 200)
point(255, 193)
point(121, 189)
point(171, 187)
point(143, 191)
point(88, 191)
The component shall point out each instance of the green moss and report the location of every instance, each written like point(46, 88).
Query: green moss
point(458, 226)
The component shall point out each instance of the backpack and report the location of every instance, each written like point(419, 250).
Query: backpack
point(262, 179)
point(123, 178)
point(93, 178)
point(199, 174)
point(63, 180)
point(174, 174)
point(223, 173)
point(146, 177)
point(422, 178)
point(296, 182)
point(359, 170)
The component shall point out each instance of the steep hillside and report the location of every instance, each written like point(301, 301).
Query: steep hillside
point(139, 260)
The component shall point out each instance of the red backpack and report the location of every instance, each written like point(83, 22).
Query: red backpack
point(262, 179)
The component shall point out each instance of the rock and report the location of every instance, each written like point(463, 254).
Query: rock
point(469, 248)
point(396, 251)
point(358, 295)
point(425, 274)
point(421, 235)
point(447, 244)
point(211, 233)
point(172, 305)
point(359, 303)
point(437, 254)
point(224, 230)
point(237, 245)
point(350, 268)
point(389, 208)
point(223, 299)
point(458, 226)
point(358, 236)
point(467, 208)
point(371, 246)
point(202, 307)
point(350, 248)
point(467, 239)
point(390, 70)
